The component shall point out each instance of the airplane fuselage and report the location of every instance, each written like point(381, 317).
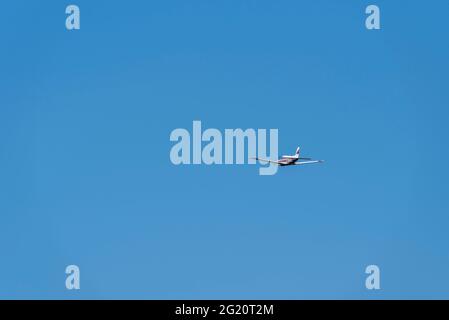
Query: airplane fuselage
point(291, 160)
point(287, 161)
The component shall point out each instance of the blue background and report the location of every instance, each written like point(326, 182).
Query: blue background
point(86, 179)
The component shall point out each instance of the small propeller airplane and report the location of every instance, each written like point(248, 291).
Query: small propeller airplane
point(291, 160)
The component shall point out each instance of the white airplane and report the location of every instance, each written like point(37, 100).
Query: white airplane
point(291, 160)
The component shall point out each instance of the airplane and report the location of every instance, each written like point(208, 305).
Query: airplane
point(291, 160)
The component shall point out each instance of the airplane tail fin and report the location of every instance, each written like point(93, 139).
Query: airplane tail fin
point(297, 152)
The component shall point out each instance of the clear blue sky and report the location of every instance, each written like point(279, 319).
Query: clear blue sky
point(86, 179)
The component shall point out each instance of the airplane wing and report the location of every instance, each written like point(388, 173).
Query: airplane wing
point(266, 160)
point(308, 162)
